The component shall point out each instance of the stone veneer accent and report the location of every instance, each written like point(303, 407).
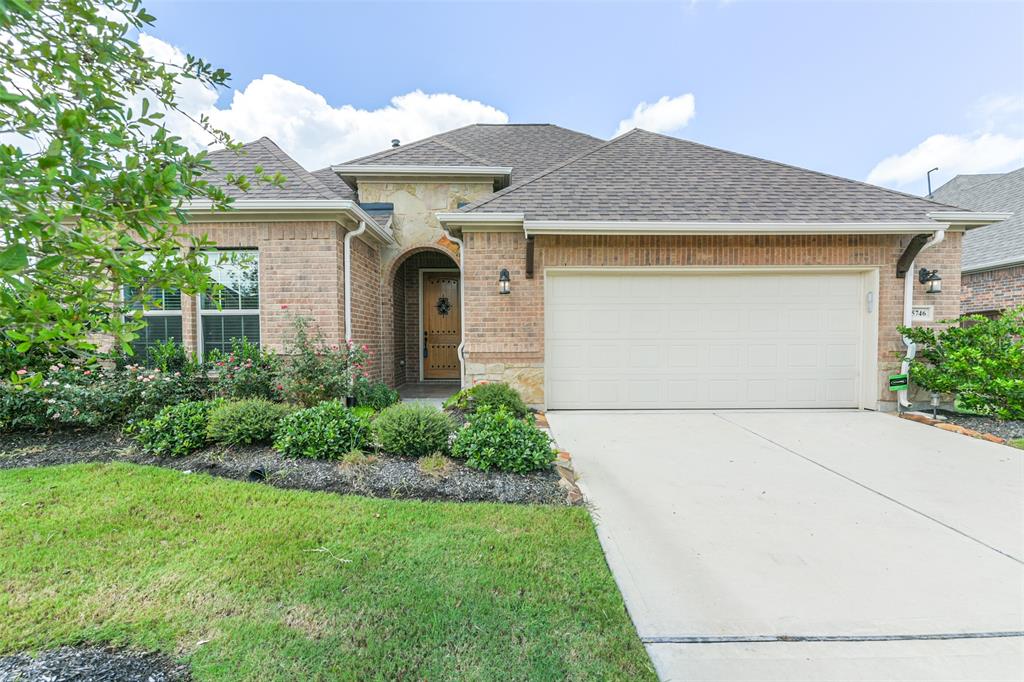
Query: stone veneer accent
point(416, 230)
point(505, 334)
point(991, 291)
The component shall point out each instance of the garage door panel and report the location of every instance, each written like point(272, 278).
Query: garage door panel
point(630, 340)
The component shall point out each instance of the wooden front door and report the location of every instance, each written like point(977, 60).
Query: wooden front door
point(442, 325)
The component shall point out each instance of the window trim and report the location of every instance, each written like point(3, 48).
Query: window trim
point(258, 311)
point(158, 312)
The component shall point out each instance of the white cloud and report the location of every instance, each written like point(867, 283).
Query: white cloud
point(314, 132)
point(997, 145)
point(664, 116)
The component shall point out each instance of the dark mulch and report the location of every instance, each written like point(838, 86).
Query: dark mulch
point(386, 476)
point(91, 664)
point(1010, 430)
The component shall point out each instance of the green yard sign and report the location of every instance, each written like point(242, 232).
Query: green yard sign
point(898, 382)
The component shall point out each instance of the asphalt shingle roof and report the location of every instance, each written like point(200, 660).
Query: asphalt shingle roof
point(648, 176)
point(525, 147)
point(1002, 242)
point(299, 183)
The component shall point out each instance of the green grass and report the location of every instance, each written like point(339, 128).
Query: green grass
point(1018, 443)
point(250, 582)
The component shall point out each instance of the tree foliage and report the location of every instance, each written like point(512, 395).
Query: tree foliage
point(93, 186)
point(981, 361)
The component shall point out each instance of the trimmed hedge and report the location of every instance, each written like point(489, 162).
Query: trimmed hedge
point(414, 429)
point(325, 431)
point(496, 439)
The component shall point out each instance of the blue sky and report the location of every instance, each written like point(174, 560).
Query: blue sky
point(837, 87)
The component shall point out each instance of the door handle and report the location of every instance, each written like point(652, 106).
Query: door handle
point(424, 343)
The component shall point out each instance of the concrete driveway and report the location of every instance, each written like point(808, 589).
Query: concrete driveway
point(808, 545)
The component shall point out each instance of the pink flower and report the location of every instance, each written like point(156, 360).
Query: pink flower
point(280, 387)
point(53, 368)
point(22, 372)
point(177, 374)
point(365, 348)
point(284, 306)
point(87, 372)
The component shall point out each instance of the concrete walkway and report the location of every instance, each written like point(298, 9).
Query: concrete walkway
point(808, 545)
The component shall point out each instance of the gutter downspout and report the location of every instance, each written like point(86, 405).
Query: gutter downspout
point(348, 278)
point(908, 306)
point(461, 351)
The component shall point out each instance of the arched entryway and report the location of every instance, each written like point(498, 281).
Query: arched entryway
point(425, 317)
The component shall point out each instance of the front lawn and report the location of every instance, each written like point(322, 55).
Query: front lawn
point(245, 581)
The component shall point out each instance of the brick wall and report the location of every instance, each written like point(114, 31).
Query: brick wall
point(992, 290)
point(367, 320)
point(505, 334)
point(301, 270)
point(299, 275)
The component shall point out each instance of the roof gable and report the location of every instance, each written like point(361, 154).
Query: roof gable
point(644, 176)
point(1003, 242)
point(299, 183)
point(527, 148)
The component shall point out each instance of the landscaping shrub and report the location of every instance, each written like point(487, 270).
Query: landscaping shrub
point(89, 396)
point(142, 393)
point(983, 363)
point(496, 439)
point(375, 394)
point(493, 395)
point(170, 356)
point(248, 371)
point(316, 371)
point(244, 422)
point(414, 429)
point(175, 431)
point(22, 408)
point(326, 431)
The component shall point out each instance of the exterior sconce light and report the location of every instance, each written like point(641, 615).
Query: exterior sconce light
point(931, 280)
point(504, 284)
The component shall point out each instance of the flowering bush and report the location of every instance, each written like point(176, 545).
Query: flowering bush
point(90, 396)
point(247, 371)
point(317, 371)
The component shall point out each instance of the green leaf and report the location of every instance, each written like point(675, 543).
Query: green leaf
point(14, 258)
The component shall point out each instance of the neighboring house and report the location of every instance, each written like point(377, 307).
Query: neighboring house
point(641, 272)
point(992, 265)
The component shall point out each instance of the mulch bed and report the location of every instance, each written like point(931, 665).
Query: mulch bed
point(1011, 430)
point(386, 476)
point(91, 664)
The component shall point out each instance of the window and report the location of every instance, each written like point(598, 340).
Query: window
point(163, 320)
point(233, 312)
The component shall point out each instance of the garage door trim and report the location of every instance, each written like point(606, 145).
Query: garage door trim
point(869, 396)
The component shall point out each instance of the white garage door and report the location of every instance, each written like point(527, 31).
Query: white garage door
point(625, 340)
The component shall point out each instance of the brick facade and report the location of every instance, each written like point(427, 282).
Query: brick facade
point(992, 290)
point(301, 272)
point(505, 334)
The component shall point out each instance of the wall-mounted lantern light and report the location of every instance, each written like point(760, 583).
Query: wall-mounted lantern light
point(931, 280)
point(504, 285)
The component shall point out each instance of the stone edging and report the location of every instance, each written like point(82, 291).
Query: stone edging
point(563, 465)
point(953, 428)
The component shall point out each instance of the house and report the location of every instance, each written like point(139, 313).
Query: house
point(992, 265)
point(641, 272)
